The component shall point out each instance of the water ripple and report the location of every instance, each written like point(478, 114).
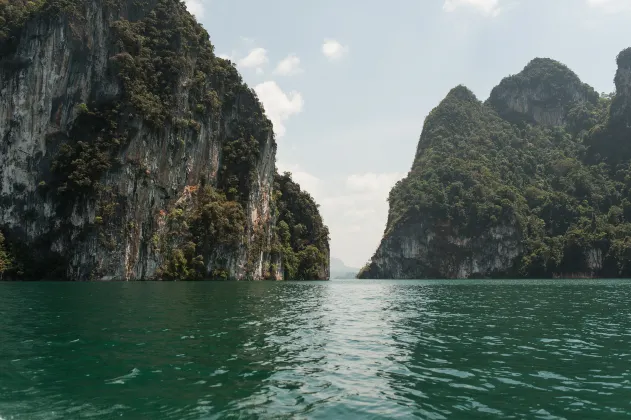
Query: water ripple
point(348, 349)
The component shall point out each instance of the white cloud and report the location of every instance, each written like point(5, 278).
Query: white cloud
point(288, 66)
point(356, 223)
point(610, 6)
point(333, 50)
point(372, 182)
point(255, 59)
point(356, 197)
point(356, 214)
point(488, 7)
point(196, 7)
point(278, 105)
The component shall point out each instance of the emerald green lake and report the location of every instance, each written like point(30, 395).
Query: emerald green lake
point(339, 349)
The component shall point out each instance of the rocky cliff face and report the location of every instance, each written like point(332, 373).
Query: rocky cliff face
point(542, 93)
point(417, 251)
point(530, 183)
point(117, 122)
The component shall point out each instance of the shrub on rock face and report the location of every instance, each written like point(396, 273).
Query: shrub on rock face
point(199, 227)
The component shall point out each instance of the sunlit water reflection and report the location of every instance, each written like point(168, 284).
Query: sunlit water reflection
point(427, 349)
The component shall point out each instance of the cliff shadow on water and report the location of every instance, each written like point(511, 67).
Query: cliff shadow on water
point(129, 151)
point(534, 182)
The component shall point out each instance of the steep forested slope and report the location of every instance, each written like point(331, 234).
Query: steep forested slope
point(534, 182)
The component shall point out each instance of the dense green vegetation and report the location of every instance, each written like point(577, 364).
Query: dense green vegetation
point(205, 225)
point(87, 152)
point(567, 189)
point(301, 237)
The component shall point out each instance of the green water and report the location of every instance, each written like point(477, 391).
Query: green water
point(342, 349)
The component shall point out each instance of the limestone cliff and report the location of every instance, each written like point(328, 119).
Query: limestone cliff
point(532, 183)
point(542, 93)
point(128, 150)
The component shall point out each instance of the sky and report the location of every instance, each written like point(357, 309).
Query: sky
point(348, 83)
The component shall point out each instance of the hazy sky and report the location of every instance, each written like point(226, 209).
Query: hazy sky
point(348, 83)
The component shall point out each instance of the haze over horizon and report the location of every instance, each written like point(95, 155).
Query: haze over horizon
point(348, 86)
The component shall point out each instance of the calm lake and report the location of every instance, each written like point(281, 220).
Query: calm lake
point(339, 349)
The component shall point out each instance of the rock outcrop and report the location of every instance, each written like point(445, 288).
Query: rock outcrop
point(117, 122)
point(542, 93)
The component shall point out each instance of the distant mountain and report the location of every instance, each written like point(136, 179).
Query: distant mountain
point(339, 270)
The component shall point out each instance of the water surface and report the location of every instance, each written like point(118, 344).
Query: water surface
point(340, 349)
